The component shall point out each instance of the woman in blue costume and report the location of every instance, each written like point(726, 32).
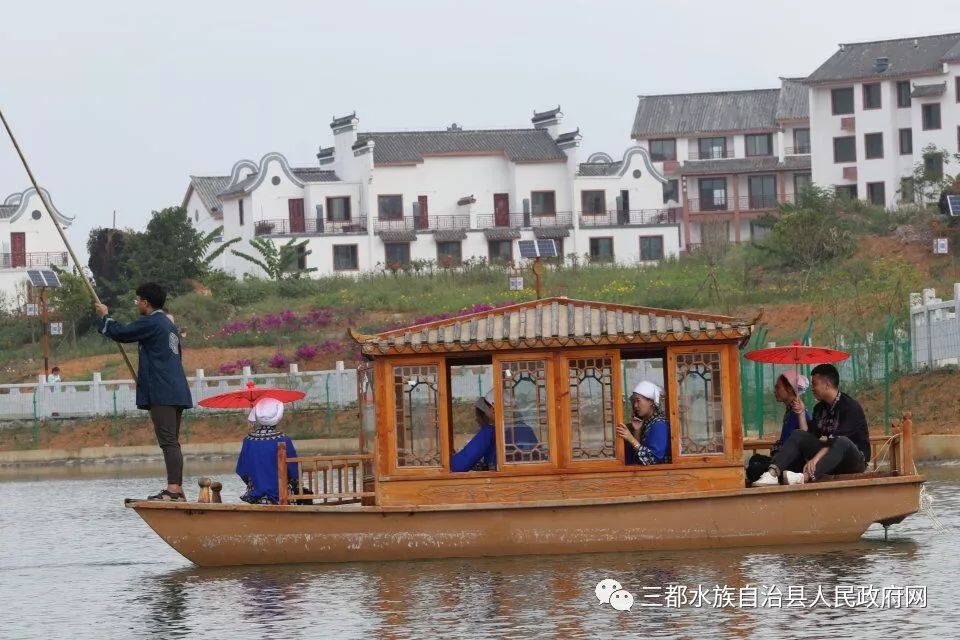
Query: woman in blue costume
point(480, 454)
point(257, 464)
point(650, 442)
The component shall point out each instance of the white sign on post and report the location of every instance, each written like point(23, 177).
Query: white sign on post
point(56, 328)
point(940, 245)
point(516, 283)
point(33, 309)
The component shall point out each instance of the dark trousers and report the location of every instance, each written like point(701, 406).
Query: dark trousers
point(166, 424)
point(801, 446)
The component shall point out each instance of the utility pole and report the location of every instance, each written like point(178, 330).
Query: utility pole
point(45, 335)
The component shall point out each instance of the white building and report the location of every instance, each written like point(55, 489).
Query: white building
point(28, 240)
point(727, 156)
point(875, 107)
point(381, 199)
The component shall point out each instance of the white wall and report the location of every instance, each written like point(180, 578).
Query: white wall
point(40, 237)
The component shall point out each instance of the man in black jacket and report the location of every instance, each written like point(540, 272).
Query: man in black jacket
point(836, 417)
point(162, 387)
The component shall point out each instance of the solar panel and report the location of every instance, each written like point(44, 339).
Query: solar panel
point(537, 249)
point(51, 278)
point(36, 278)
point(953, 205)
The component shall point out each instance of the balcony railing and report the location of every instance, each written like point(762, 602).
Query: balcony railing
point(310, 226)
point(746, 203)
point(33, 260)
point(711, 154)
point(634, 217)
point(798, 150)
point(430, 223)
point(525, 220)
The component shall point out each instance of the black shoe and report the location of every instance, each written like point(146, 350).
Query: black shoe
point(168, 495)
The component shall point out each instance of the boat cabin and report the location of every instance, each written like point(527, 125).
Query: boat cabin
point(562, 371)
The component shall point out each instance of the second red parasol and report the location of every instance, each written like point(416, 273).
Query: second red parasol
point(796, 354)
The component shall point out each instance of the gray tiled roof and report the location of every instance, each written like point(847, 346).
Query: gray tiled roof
point(325, 152)
point(600, 168)
point(953, 55)
point(312, 174)
point(745, 165)
point(551, 232)
point(6, 211)
point(398, 235)
point(208, 188)
point(688, 113)
point(343, 120)
point(501, 233)
point(543, 116)
point(928, 90)
point(793, 103)
point(519, 145)
point(569, 136)
point(449, 235)
point(906, 56)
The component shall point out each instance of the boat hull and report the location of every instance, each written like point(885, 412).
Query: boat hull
point(240, 534)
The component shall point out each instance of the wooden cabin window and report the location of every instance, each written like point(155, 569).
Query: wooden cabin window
point(700, 402)
point(417, 406)
point(526, 431)
point(592, 416)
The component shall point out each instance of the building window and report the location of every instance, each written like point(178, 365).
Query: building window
point(956, 81)
point(500, 251)
point(801, 140)
point(390, 207)
point(601, 249)
point(846, 191)
point(903, 94)
point(671, 191)
point(345, 257)
point(906, 141)
point(845, 149)
point(449, 254)
point(712, 148)
point(543, 203)
point(801, 181)
point(931, 116)
point(713, 194)
point(906, 190)
point(593, 202)
point(873, 146)
point(871, 96)
point(933, 165)
point(842, 101)
point(338, 209)
point(759, 144)
point(665, 149)
point(240, 202)
point(298, 261)
point(876, 193)
point(651, 248)
point(396, 254)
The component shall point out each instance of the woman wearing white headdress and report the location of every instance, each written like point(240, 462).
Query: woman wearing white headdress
point(257, 464)
point(649, 443)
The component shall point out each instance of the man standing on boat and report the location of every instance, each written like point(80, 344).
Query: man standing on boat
point(162, 387)
point(836, 417)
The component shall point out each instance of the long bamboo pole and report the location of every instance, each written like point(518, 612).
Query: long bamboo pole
point(63, 236)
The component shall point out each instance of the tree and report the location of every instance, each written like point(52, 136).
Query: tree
point(73, 301)
point(208, 240)
point(107, 248)
point(170, 252)
point(279, 263)
point(930, 180)
point(810, 234)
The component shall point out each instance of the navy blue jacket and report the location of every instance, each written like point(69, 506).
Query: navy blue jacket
point(160, 377)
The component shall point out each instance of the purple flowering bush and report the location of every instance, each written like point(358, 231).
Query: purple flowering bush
point(286, 321)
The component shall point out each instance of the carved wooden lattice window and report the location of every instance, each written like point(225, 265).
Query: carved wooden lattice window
point(416, 394)
point(368, 414)
point(592, 418)
point(525, 422)
point(700, 402)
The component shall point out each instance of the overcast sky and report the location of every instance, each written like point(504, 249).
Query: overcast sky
point(117, 103)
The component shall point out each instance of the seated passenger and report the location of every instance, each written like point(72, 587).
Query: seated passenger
point(836, 417)
point(650, 442)
point(787, 389)
point(480, 453)
point(257, 464)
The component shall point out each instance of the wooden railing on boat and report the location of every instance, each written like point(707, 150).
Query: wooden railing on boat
point(323, 479)
point(896, 448)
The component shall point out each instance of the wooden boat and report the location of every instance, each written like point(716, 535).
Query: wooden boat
point(560, 367)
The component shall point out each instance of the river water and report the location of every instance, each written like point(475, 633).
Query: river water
point(76, 564)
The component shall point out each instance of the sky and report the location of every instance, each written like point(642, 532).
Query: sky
point(116, 104)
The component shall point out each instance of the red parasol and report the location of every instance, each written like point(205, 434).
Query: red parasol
point(249, 396)
point(797, 354)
